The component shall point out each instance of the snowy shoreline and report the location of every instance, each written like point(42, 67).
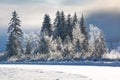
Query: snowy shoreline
point(76, 63)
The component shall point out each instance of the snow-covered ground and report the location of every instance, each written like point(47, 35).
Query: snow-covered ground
point(33, 72)
point(58, 72)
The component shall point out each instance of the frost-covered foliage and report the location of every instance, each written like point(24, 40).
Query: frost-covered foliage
point(113, 54)
point(46, 27)
point(97, 42)
point(77, 41)
point(67, 38)
point(15, 35)
point(31, 42)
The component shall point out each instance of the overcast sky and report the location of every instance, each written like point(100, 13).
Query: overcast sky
point(31, 12)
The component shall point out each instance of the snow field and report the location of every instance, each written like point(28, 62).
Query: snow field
point(33, 72)
point(92, 72)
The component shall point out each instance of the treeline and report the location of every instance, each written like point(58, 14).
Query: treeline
point(67, 38)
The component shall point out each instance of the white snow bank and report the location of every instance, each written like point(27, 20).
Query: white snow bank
point(55, 71)
point(33, 72)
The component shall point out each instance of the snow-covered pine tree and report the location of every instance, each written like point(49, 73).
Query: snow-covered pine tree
point(84, 33)
point(42, 49)
point(46, 27)
point(77, 40)
point(75, 19)
point(66, 43)
point(26, 44)
point(28, 47)
point(83, 26)
point(62, 26)
point(102, 44)
point(43, 46)
point(46, 31)
point(69, 27)
point(59, 25)
point(68, 49)
point(15, 35)
point(78, 46)
point(56, 25)
point(55, 48)
point(98, 47)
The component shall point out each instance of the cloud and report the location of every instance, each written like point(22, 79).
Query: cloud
point(31, 12)
point(76, 2)
point(26, 2)
point(21, 1)
point(108, 21)
point(103, 13)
